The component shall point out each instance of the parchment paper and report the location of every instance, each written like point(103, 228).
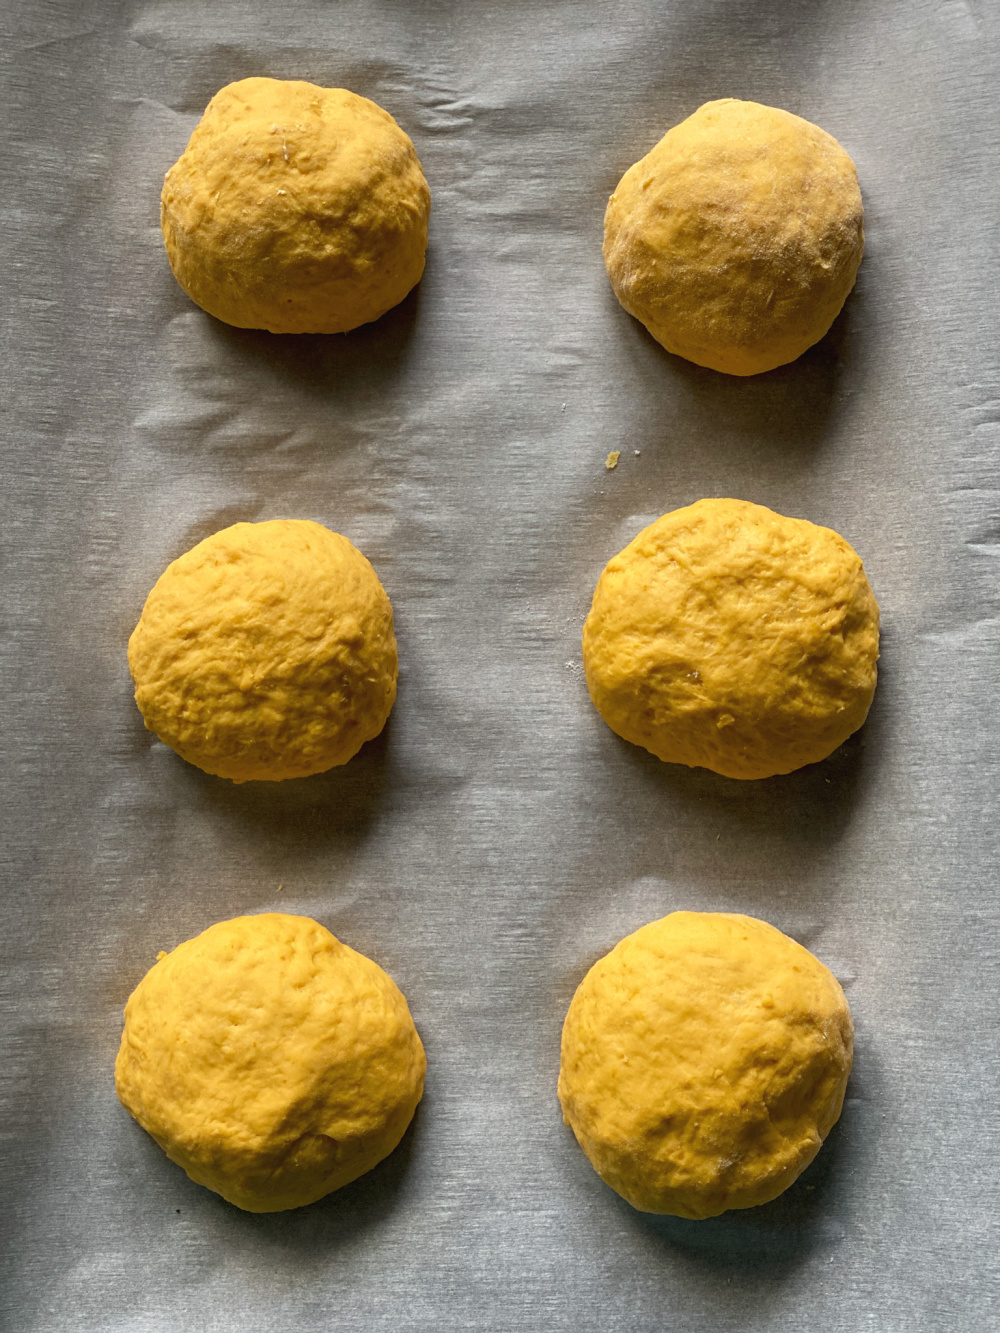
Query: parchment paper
point(498, 837)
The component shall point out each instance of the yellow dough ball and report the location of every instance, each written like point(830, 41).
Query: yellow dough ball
point(266, 651)
point(728, 637)
point(704, 1061)
point(296, 209)
point(737, 239)
point(270, 1061)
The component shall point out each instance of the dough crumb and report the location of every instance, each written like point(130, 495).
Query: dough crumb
point(611, 462)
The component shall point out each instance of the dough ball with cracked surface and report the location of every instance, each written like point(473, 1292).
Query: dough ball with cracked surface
point(737, 239)
point(296, 209)
point(728, 637)
point(704, 1061)
point(270, 1061)
point(266, 651)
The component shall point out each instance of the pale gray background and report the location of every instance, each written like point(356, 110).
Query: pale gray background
point(497, 838)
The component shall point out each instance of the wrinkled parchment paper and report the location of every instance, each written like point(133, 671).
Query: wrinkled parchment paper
point(498, 837)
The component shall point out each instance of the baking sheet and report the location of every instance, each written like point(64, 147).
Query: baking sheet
point(497, 838)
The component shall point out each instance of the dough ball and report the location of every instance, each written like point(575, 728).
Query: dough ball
point(728, 637)
point(704, 1061)
point(737, 239)
point(295, 209)
point(266, 651)
point(270, 1061)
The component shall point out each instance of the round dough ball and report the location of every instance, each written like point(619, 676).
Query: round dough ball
point(266, 651)
point(270, 1061)
point(737, 239)
point(296, 209)
point(728, 637)
point(704, 1061)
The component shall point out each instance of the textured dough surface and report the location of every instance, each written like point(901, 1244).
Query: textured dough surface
point(737, 239)
point(728, 637)
point(266, 651)
point(704, 1061)
point(270, 1061)
point(296, 209)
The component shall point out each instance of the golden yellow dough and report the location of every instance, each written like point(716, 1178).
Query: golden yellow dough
point(738, 237)
point(728, 637)
point(270, 1061)
point(296, 209)
point(704, 1061)
point(266, 651)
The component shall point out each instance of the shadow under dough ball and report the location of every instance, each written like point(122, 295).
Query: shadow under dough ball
point(270, 1061)
point(728, 637)
point(737, 239)
point(704, 1061)
point(296, 209)
point(266, 651)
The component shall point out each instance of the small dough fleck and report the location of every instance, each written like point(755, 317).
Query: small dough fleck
point(704, 1061)
point(728, 637)
point(737, 239)
point(266, 652)
point(611, 462)
point(296, 208)
point(270, 1061)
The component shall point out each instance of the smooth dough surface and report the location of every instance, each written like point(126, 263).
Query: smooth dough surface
point(704, 1061)
point(737, 239)
point(266, 651)
point(296, 209)
point(270, 1061)
point(728, 637)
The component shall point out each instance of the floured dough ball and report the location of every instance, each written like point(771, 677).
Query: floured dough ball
point(296, 209)
point(270, 1061)
point(266, 651)
point(704, 1061)
point(738, 237)
point(728, 637)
